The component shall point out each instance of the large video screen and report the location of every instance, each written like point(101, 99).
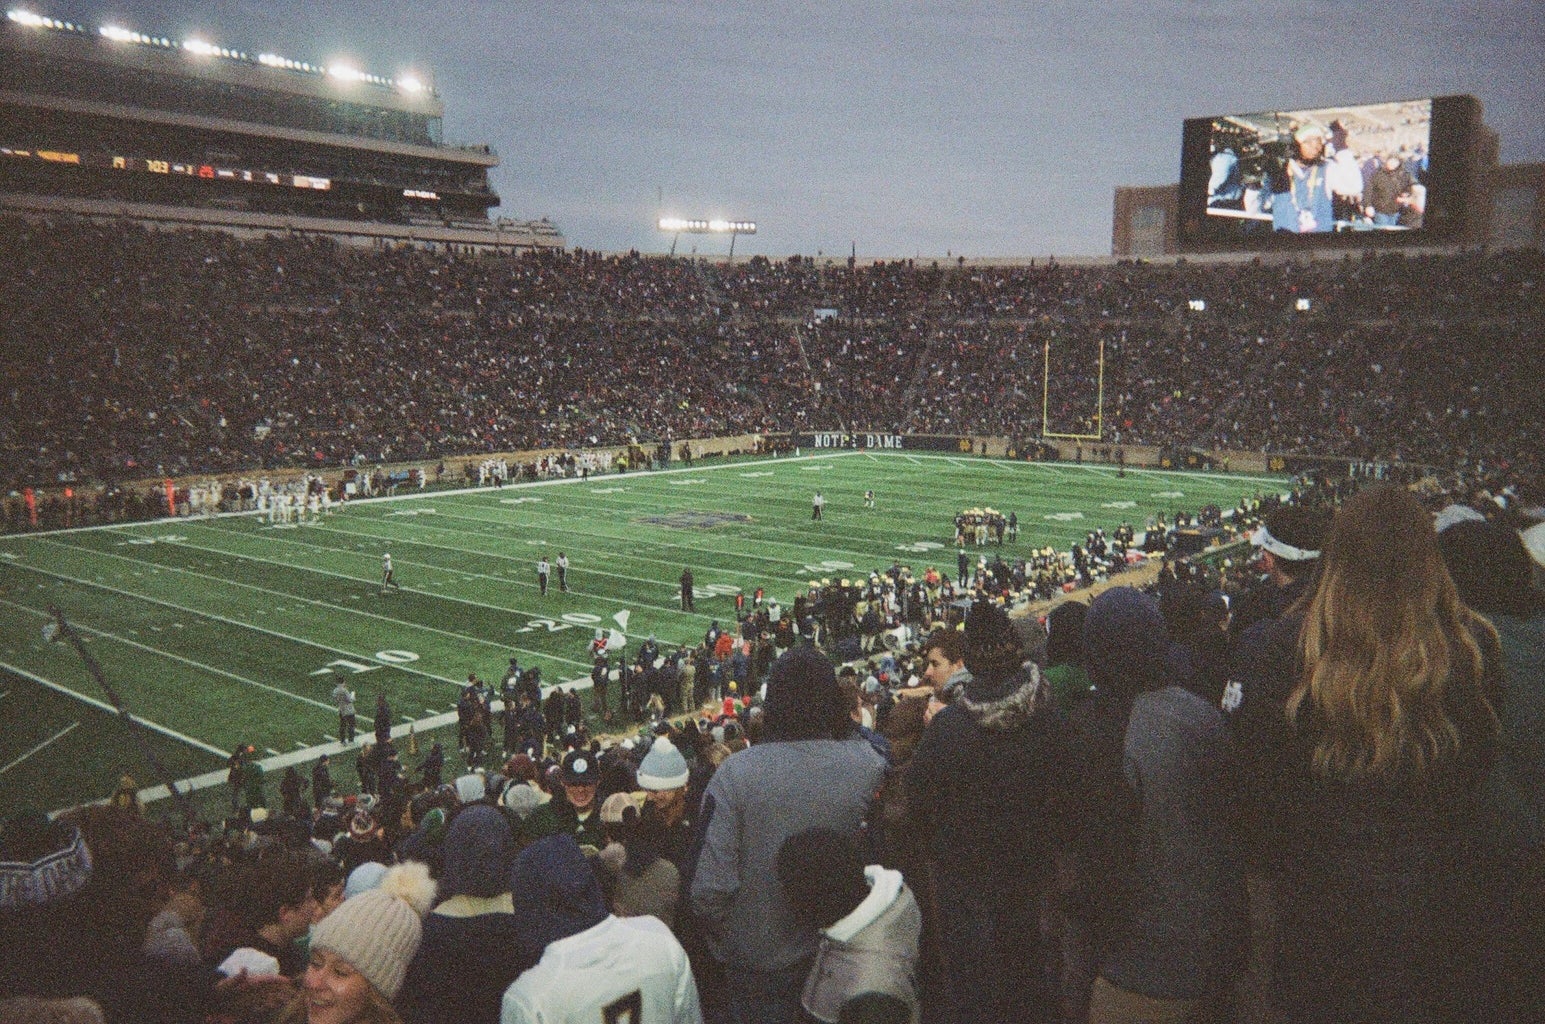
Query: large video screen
point(1376, 168)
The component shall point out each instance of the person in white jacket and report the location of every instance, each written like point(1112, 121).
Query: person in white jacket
point(867, 919)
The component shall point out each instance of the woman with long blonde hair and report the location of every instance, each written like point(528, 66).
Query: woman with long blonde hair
point(1371, 753)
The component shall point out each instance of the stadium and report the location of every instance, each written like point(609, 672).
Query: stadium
point(1077, 619)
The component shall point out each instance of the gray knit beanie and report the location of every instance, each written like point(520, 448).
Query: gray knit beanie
point(663, 767)
point(379, 930)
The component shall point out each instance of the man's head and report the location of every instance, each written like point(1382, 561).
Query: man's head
point(275, 895)
point(822, 875)
point(1311, 143)
point(579, 776)
point(1392, 162)
point(943, 656)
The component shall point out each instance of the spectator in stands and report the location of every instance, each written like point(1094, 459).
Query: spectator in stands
point(468, 955)
point(945, 672)
point(573, 809)
point(637, 880)
point(1156, 909)
point(593, 965)
point(1368, 759)
point(264, 905)
point(77, 897)
point(1494, 574)
point(811, 770)
point(979, 787)
point(360, 952)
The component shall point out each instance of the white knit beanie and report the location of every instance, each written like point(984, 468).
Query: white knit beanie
point(663, 767)
point(379, 930)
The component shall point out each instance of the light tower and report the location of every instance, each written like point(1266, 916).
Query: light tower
point(678, 226)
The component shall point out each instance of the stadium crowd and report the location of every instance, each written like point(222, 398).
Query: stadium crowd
point(1308, 788)
point(141, 354)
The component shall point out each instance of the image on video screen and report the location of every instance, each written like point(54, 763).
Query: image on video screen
point(1352, 168)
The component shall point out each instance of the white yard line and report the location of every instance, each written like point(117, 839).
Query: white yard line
point(201, 614)
point(286, 596)
point(56, 737)
point(212, 670)
point(104, 706)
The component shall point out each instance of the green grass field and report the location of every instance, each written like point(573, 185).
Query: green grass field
point(230, 630)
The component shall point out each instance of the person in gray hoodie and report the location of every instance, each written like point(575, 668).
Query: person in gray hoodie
point(1159, 883)
point(810, 770)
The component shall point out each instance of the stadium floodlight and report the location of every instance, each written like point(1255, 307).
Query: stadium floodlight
point(1302, 305)
point(345, 72)
point(23, 16)
point(410, 83)
point(698, 226)
point(1197, 305)
point(707, 227)
point(201, 48)
point(117, 33)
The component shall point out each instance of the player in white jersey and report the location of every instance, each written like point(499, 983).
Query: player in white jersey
point(387, 579)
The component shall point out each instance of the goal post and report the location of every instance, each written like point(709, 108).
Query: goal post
point(1099, 399)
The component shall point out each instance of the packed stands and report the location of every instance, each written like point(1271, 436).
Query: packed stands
point(133, 352)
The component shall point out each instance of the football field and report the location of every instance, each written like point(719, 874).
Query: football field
point(230, 630)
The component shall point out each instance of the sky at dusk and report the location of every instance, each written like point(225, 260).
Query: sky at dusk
point(902, 129)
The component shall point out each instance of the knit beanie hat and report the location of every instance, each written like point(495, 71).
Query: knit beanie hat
point(479, 849)
point(379, 931)
point(364, 878)
point(471, 788)
point(993, 647)
point(803, 702)
point(663, 767)
point(40, 861)
point(1125, 642)
point(521, 799)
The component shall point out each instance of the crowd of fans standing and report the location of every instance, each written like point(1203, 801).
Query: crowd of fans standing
point(1306, 791)
point(140, 353)
point(1313, 797)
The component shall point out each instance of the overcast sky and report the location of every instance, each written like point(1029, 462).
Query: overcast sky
point(905, 128)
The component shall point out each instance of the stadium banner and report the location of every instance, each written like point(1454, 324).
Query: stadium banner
point(841, 439)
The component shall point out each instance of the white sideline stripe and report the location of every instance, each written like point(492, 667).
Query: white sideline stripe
point(56, 737)
point(228, 621)
point(325, 604)
point(104, 706)
point(186, 661)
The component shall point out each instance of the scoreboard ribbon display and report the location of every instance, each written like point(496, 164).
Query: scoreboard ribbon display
point(148, 165)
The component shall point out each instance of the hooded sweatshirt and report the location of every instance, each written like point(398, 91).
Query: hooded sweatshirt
point(469, 952)
point(872, 949)
point(799, 778)
point(983, 776)
point(1158, 882)
point(594, 966)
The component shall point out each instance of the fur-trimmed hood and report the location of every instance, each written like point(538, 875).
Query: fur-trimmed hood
point(1008, 704)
